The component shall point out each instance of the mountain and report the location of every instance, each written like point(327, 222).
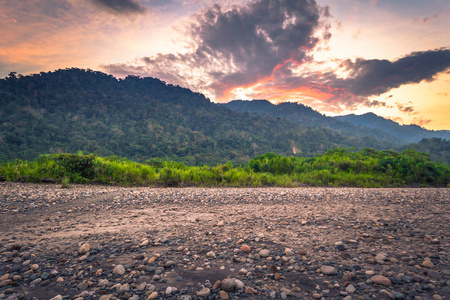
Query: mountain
point(306, 116)
point(406, 133)
point(140, 118)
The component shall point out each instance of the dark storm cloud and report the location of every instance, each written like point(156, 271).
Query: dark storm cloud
point(125, 7)
point(375, 77)
point(367, 78)
point(241, 45)
point(258, 37)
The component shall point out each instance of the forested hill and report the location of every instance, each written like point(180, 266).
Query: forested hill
point(406, 133)
point(139, 118)
point(306, 116)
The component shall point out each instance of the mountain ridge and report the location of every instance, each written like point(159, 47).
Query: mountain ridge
point(368, 124)
point(410, 133)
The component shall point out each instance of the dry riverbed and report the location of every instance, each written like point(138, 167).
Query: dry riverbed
point(96, 242)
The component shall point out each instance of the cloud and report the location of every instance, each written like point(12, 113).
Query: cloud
point(374, 103)
point(239, 46)
point(408, 109)
point(375, 77)
point(352, 82)
point(121, 7)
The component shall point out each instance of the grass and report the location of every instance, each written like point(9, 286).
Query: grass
point(339, 167)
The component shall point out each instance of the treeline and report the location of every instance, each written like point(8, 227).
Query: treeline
point(338, 167)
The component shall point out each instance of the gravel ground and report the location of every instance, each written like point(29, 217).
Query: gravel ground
point(97, 242)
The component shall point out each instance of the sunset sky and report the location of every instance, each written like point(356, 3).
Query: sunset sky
point(390, 57)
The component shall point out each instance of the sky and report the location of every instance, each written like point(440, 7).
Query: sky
point(389, 57)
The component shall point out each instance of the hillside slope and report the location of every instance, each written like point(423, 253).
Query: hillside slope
point(406, 133)
point(306, 116)
point(139, 118)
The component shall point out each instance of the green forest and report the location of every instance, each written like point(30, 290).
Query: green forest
point(140, 118)
point(337, 167)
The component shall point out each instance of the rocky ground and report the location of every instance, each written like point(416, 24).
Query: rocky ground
point(96, 242)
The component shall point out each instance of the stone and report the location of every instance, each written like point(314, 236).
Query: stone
point(216, 285)
point(381, 258)
point(242, 271)
point(228, 285)
point(387, 294)
point(84, 248)
point(289, 252)
point(223, 295)
point(238, 284)
point(169, 264)
point(204, 292)
point(168, 291)
point(4, 277)
point(245, 248)
point(152, 296)
point(124, 288)
point(82, 286)
point(349, 276)
point(286, 291)
point(350, 289)
point(428, 264)
point(211, 254)
point(119, 270)
point(398, 296)
point(264, 253)
point(144, 243)
point(317, 296)
point(250, 290)
point(328, 270)
point(58, 297)
point(381, 280)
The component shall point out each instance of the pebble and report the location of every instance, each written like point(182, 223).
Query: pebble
point(245, 248)
point(223, 295)
point(386, 294)
point(228, 284)
point(264, 253)
point(328, 270)
point(250, 290)
point(350, 289)
point(204, 292)
point(84, 248)
point(381, 280)
point(428, 264)
point(119, 270)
